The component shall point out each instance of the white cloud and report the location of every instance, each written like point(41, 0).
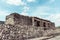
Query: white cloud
point(15, 2)
point(31, 0)
point(55, 18)
point(49, 13)
point(41, 10)
point(3, 15)
point(51, 1)
point(24, 13)
point(45, 10)
point(25, 10)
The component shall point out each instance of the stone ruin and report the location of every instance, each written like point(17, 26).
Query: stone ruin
point(19, 27)
point(15, 19)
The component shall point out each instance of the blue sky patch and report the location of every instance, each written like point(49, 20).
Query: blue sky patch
point(46, 9)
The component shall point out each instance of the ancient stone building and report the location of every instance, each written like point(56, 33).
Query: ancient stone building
point(19, 27)
point(15, 18)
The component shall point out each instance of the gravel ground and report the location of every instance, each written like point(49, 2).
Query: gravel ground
point(44, 38)
point(55, 38)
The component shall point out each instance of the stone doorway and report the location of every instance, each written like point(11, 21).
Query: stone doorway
point(36, 23)
point(44, 25)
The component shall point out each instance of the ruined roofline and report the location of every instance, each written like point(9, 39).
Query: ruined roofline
point(30, 17)
point(42, 19)
point(19, 15)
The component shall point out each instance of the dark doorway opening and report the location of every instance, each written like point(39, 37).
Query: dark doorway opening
point(48, 25)
point(37, 23)
point(44, 25)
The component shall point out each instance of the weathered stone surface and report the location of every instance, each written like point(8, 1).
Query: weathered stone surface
point(19, 27)
point(10, 32)
point(15, 18)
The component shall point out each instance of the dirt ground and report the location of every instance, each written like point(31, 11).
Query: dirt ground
point(55, 36)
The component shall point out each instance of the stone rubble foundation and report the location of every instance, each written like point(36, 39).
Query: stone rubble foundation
point(19, 32)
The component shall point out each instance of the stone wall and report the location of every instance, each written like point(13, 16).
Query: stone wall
point(9, 19)
point(23, 20)
point(18, 19)
point(19, 27)
point(15, 18)
point(18, 32)
point(38, 22)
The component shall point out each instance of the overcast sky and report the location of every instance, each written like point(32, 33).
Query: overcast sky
point(46, 9)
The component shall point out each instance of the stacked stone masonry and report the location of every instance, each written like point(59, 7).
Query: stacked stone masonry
point(19, 27)
point(15, 18)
